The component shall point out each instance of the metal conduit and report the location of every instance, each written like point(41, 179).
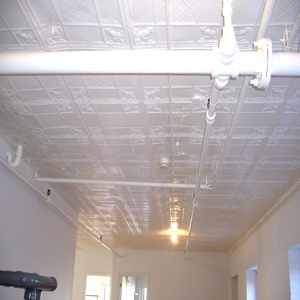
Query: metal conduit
point(126, 183)
point(210, 117)
point(269, 6)
point(268, 10)
point(54, 205)
point(293, 34)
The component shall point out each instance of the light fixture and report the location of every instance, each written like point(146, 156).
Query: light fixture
point(174, 238)
point(174, 231)
point(164, 163)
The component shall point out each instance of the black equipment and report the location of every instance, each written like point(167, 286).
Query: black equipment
point(33, 283)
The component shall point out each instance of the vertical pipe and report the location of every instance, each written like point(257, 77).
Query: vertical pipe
point(210, 118)
point(293, 33)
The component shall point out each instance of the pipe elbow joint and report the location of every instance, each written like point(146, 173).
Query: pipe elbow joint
point(17, 161)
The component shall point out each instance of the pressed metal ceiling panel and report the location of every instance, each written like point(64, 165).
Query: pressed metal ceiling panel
point(117, 127)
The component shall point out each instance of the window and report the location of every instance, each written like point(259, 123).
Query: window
point(294, 271)
point(97, 287)
point(252, 283)
point(133, 287)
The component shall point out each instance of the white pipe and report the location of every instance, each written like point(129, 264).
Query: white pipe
point(17, 161)
point(268, 10)
point(107, 62)
point(286, 64)
point(201, 62)
point(48, 200)
point(226, 53)
point(210, 118)
point(236, 115)
point(265, 19)
point(128, 183)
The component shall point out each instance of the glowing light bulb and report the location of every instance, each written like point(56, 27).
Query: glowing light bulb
point(174, 238)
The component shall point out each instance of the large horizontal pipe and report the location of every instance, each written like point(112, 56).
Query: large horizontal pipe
point(27, 280)
point(126, 183)
point(199, 62)
point(286, 64)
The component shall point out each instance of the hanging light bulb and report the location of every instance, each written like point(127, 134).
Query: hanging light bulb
point(174, 238)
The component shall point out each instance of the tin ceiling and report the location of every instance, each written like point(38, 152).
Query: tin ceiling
point(118, 127)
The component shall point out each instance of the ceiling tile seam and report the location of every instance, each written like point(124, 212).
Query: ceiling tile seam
point(100, 21)
point(172, 217)
point(168, 29)
point(79, 117)
point(9, 29)
point(145, 125)
point(107, 222)
point(271, 128)
point(61, 22)
point(126, 20)
point(34, 23)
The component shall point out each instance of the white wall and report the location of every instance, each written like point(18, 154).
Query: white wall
point(267, 248)
point(204, 276)
point(33, 236)
point(89, 262)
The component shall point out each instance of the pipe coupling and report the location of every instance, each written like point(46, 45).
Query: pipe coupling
point(210, 119)
point(264, 68)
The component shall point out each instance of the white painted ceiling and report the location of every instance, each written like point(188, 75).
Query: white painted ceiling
point(117, 127)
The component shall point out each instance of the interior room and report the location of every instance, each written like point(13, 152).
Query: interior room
point(150, 149)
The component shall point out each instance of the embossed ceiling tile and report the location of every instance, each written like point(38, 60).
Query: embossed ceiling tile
point(91, 120)
point(48, 121)
point(112, 120)
point(110, 12)
point(285, 11)
point(7, 39)
point(26, 38)
point(85, 34)
point(223, 119)
point(103, 95)
point(152, 81)
point(244, 36)
point(115, 132)
point(45, 13)
point(254, 107)
point(246, 13)
point(182, 93)
point(145, 35)
point(64, 140)
point(287, 119)
point(155, 118)
point(73, 81)
point(15, 20)
point(198, 119)
point(180, 35)
point(246, 120)
point(99, 81)
point(115, 37)
point(76, 12)
point(25, 82)
point(42, 109)
point(5, 83)
point(142, 12)
point(156, 107)
point(2, 23)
